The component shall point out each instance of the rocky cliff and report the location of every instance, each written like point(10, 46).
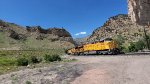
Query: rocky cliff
point(120, 25)
point(139, 11)
point(29, 37)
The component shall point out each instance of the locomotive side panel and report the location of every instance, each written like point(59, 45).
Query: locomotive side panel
point(100, 47)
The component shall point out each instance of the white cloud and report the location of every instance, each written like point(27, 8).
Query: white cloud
point(80, 33)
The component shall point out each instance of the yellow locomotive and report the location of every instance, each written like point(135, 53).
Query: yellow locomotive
point(107, 46)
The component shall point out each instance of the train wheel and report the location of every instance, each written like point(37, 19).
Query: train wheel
point(75, 54)
point(82, 53)
point(99, 53)
point(115, 52)
point(78, 53)
point(110, 53)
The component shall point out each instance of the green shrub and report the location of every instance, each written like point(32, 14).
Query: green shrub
point(124, 49)
point(146, 40)
point(139, 45)
point(2, 54)
point(120, 41)
point(34, 59)
point(132, 47)
point(28, 82)
point(22, 61)
point(52, 58)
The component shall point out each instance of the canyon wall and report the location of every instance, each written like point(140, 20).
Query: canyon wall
point(139, 11)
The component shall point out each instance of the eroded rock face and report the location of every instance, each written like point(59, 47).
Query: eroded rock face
point(55, 31)
point(139, 11)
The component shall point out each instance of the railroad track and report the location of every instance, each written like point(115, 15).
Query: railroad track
point(126, 54)
point(138, 53)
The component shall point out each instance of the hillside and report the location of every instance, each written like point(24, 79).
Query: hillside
point(119, 26)
point(15, 37)
point(80, 41)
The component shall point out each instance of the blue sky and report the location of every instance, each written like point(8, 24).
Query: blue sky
point(79, 17)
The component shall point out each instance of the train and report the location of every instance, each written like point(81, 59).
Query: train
point(107, 46)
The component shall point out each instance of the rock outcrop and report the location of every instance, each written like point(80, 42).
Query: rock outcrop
point(53, 34)
point(139, 11)
point(13, 35)
point(61, 32)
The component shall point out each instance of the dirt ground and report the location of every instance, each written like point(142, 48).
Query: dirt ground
point(120, 69)
point(128, 69)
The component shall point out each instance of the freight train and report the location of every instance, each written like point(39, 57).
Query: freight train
point(106, 46)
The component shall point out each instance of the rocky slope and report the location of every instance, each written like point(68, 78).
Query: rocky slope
point(15, 37)
point(80, 41)
point(120, 25)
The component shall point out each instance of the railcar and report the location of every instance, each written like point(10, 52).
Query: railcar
point(107, 46)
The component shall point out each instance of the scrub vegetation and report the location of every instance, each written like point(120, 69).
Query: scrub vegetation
point(14, 60)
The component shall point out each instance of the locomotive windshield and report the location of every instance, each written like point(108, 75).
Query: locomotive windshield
point(108, 39)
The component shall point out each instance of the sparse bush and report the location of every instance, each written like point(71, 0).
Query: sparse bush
point(126, 50)
point(28, 82)
point(52, 58)
point(34, 59)
point(147, 39)
point(120, 40)
point(22, 61)
point(132, 47)
point(139, 45)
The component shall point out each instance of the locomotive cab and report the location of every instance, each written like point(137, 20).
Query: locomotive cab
point(112, 46)
point(108, 39)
